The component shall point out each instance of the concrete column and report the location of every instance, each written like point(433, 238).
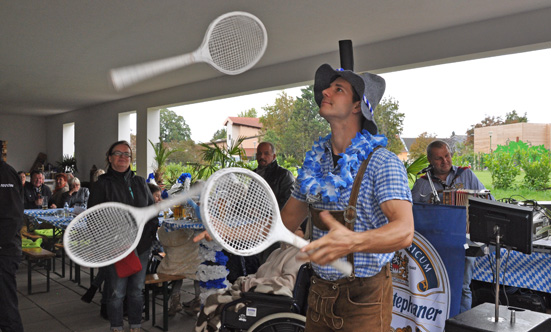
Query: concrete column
point(148, 128)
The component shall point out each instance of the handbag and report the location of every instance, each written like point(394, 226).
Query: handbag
point(129, 265)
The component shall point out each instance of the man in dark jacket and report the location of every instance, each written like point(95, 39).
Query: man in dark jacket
point(11, 221)
point(36, 191)
point(280, 179)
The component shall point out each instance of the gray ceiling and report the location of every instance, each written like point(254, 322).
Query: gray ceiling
point(56, 55)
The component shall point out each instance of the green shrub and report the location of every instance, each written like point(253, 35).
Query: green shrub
point(173, 171)
point(289, 164)
point(537, 167)
point(503, 167)
point(463, 160)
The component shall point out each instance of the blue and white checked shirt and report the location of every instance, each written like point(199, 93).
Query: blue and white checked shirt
point(385, 179)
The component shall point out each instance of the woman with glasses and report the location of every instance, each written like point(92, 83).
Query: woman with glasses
point(120, 184)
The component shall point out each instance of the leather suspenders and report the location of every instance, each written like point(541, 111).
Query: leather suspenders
point(347, 216)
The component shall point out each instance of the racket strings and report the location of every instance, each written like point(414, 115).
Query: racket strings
point(102, 235)
point(240, 212)
point(236, 42)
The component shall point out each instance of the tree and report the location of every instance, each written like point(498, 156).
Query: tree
point(510, 117)
point(275, 120)
point(293, 125)
point(277, 115)
point(134, 146)
point(173, 127)
point(513, 117)
point(251, 113)
point(216, 157)
point(187, 152)
point(390, 123)
point(219, 134)
point(486, 122)
point(162, 152)
point(305, 126)
point(419, 146)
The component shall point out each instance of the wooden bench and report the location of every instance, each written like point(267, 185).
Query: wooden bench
point(153, 282)
point(56, 247)
point(59, 247)
point(38, 257)
point(32, 236)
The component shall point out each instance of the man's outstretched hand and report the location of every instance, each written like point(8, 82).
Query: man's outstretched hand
point(339, 242)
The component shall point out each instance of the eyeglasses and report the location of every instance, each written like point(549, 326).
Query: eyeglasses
point(121, 154)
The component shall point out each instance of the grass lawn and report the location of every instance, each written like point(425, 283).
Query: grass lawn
point(519, 194)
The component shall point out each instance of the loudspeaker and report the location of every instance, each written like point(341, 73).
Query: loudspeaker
point(481, 318)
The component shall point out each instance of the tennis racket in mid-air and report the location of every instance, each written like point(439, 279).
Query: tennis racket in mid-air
point(233, 43)
point(240, 212)
point(108, 232)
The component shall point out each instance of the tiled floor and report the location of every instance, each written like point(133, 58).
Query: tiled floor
point(62, 310)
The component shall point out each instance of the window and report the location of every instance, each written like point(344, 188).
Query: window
point(69, 139)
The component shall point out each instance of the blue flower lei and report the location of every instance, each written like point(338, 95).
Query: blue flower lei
point(312, 180)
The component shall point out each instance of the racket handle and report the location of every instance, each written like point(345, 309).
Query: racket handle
point(126, 76)
point(343, 266)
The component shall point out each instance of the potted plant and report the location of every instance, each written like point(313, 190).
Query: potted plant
point(68, 164)
point(162, 152)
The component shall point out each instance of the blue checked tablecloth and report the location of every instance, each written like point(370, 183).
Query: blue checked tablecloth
point(172, 225)
point(48, 212)
point(59, 222)
point(50, 216)
point(520, 270)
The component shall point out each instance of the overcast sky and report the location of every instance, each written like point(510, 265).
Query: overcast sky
point(438, 99)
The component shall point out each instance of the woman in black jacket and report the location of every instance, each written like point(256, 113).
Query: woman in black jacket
point(120, 184)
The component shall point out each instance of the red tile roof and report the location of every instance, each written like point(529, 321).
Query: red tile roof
point(249, 122)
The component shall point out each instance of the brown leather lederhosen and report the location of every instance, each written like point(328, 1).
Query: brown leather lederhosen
point(347, 216)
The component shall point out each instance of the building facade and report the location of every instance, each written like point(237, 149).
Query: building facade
point(487, 139)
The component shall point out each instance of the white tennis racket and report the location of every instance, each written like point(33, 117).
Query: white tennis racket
point(108, 232)
point(241, 213)
point(233, 43)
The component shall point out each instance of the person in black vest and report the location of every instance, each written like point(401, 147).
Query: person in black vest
point(11, 221)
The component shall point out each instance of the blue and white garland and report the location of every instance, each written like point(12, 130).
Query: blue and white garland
point(312, 181)
point(212, 272)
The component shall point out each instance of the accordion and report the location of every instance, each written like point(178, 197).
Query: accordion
point(461, 196)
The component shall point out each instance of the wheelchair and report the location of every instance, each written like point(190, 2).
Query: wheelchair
point(268, 312)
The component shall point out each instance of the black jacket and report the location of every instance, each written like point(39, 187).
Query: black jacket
point(11, 211)
point(280, 180)
point(31, 195)
point(80, 197)
point(126, 188)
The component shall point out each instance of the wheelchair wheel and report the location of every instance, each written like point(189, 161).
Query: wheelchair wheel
point(280, 322)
